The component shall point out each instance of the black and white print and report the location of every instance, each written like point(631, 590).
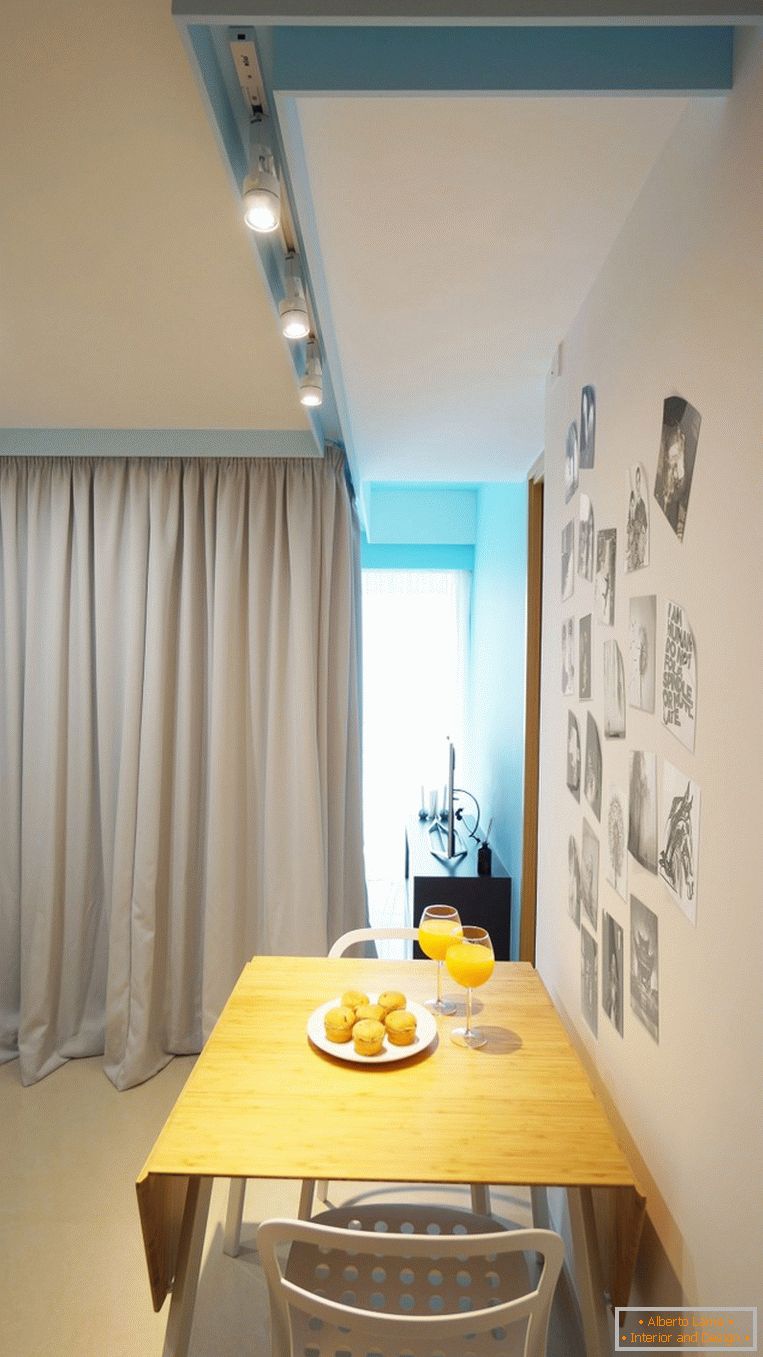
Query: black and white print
point(606, 552)
point(675, 465)
point(637, 526)
point(589, 980)
point(571, 463)
point(612, 978)
point(586, 539)
point(614, 692)
point(573, 896)
point(589, 874)
point(568, 559)
point(568, 656)
point(587, 427)
point(573, 755)
point(642, 638)
point(617, 841)
point(679, 677)
point(679, 838)
point(584, 658)
point(645, 985)
point(642, 808)
point(592, 778)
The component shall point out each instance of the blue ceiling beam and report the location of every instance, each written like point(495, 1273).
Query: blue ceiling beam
point(411, 12)
point(666, 60)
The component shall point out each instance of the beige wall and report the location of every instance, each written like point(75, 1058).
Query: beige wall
point(678, 309)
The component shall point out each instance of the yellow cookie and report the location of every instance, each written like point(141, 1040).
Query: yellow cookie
point(368, 1037)
point(401, 1027)
point(353, 998)
point(339, 1023)
point(391, 999)
point(374, 1011)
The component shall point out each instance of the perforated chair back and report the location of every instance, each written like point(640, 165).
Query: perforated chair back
point(347, 940)
point(407, 1281)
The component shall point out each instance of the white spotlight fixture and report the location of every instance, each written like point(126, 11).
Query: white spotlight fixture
point(311, 384)
point(262, 190)
point(295, 323)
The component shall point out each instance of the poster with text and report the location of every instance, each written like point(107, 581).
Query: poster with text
point(584, 658)
point(642, 808)
point(642, 636)
point(589, 874)
point(568, 656)
point(637, 525)
point(612, 977)
point(573, 887)
point(587, 427)
point(617, 840)
point(679, 838)
point(589, 980)
point(586, 540)
point(675, 464)
point(592, 777)
point(679, 677)
point(571, 463)
point(606, 552)
point(614, 692)
point(645, 983)
point(568, 559)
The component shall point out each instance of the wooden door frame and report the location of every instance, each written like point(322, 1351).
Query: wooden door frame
point(528, 905)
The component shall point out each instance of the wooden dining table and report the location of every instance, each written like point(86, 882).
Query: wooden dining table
point(263, 1102)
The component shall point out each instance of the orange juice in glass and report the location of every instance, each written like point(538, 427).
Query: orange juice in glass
point(470, 961)
point(439, 926)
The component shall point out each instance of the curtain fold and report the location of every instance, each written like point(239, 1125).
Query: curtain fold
point(179, 744)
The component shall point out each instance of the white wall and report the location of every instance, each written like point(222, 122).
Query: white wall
point(678, 309)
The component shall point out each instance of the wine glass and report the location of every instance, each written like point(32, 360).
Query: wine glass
point(439, 926)
point(470, 961)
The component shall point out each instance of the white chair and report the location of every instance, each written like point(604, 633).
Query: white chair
point(408, 1281)
point(235, 1212)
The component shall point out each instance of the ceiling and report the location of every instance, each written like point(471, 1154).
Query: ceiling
point(133, 297)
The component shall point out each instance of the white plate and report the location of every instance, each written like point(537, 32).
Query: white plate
point(426, 1031)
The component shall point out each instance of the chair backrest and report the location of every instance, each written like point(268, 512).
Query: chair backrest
point(412, 1281)
point(347, 940)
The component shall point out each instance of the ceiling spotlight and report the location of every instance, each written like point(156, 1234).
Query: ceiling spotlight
point(262, 191)
point(311, 384)
point(293, 309)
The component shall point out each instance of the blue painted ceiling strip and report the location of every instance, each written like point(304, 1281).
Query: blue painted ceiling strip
point(158, 443)
point(414, 556)
point(482, 60)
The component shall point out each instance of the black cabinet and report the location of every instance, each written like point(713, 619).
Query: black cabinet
point(481, 900)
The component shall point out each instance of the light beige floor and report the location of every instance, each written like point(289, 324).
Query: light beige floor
point(73, 1280)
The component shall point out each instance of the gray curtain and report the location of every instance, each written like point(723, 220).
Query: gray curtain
point(179, 744)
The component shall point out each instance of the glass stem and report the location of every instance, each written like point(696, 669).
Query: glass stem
point(439, 982)
point(468, 1012)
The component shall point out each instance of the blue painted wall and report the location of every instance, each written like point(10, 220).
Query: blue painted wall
point(435, 515)
point(497, 673)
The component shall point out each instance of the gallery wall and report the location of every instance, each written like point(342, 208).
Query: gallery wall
point(677, 311)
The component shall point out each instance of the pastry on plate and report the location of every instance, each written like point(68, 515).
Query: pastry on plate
point(401, 1027)
point(368, 1036)
point(391, 999)
point(353, 998)
point(373, 1011)
point(339, 1023)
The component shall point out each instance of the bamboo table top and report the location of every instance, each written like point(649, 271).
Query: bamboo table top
point(262, 1102)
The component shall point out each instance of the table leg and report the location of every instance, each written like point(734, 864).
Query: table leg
point(541, 1217)
point(481, 1199)
point(186, 1280)
point(586, 1267)
point(234, 1216)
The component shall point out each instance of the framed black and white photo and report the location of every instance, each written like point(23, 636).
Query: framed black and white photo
point(586, 538)
point(642, 808)
point(606, 553)
point(614, 692)
point(679, 677)
point(589, 980)
point(568, 559)
point(642, 637)
point(587, 427)
point(573, 755)
point(568, 656)
point(571, 463)
point(573, 896)
point(675, 464)
point(679, 838)
point(617, 840)
point(612, 977)
point(637, 525)
point(592, 777)
point(645, 983)
point(589, 874)
point(584, 658)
